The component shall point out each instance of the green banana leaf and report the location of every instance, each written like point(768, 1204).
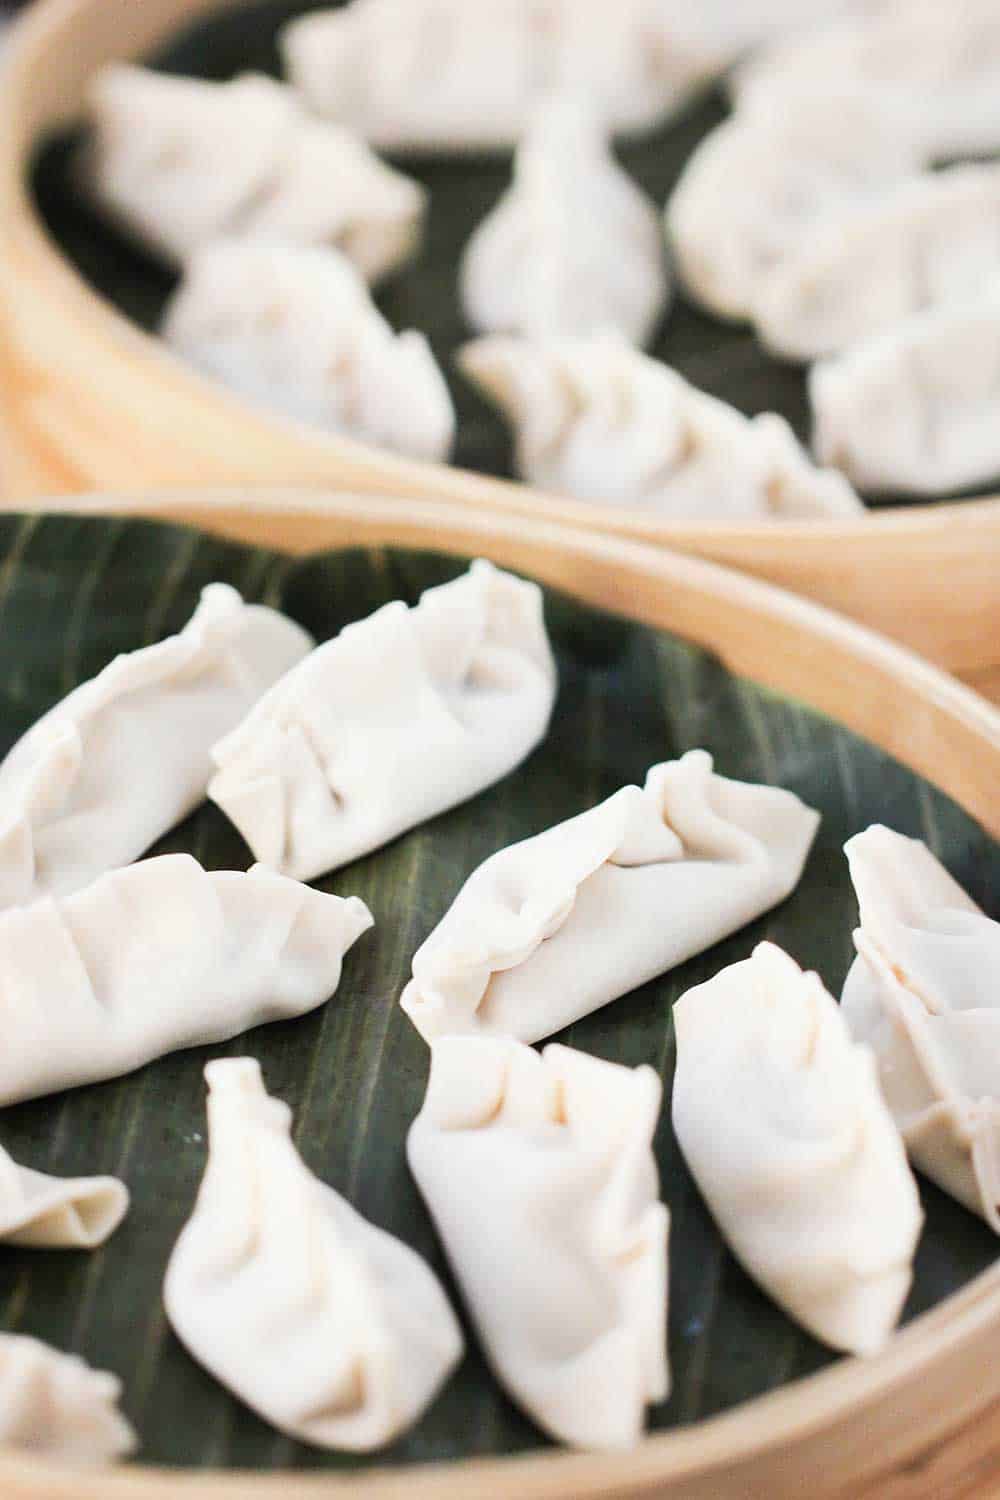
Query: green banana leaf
point(73, 592)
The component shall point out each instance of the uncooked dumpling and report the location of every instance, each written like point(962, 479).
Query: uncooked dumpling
point(599, 421)
point(574, 246)
point(548, 930)
point(539, 1175)
point(924, 994)
point(400, 716)
point(916, 408)
point(782, 1123)
point(159, 956)
point(296, 331)
point(67, 1213)
point(182, 162)
point(328, 1327)
point(126, 756)
point(54, 1405)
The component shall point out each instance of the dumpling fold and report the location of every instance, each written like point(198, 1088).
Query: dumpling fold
point(548, 930)
point(924, 994)
point(126, 756)
point(155, 957)
point(400, 716)
point(328, 1327)
point(70, 1213)
point(539, 1174)
point(53, 1404)
point(783, 1125)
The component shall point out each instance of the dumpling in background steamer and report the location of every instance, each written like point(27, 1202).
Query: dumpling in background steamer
point(931, 239)
point(159, 956)
point(54, 1405)
point(399, 717)
point(65, 1213)
point(328, 1327)
point(294, 330)
point(916, 408)
point(125, 757)
point(574, 246)
point(181, 162)
point(924, 994)
point(540, 1178)
point(599, 421)
point(447, 75)
point(782, 1123)
point(550, 929)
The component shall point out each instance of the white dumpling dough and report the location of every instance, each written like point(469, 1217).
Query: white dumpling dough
point(181, 162)
point(55, 1405)
point(66, 1213)
point(294, 330)
point(328, 1327)
point(598, 421)
point(548, 930)
point(916, 408)
point(400, 716)
point(540, 1178)
point(574, 246)
point(159, 956)
point(782, 1123)
point(125, 756)
point(447, 75)
point(933, 238)
point(924, 994)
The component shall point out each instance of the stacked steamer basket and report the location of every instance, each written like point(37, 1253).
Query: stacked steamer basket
point(92, 403)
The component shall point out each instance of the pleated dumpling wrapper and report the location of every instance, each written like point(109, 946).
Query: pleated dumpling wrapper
point(126, 756)
point(924, 993)
point(782, 1123)
point(295, 331)
point(540, 1178)
point(548, 930)
point(54, 1405)
point(400, 716)
point(917, 408)
point(328, 1327)
point(599, 421)
point(447, 75)
point(57, 1213)
point(181, 162)
point(156, 957)
point(574, 246)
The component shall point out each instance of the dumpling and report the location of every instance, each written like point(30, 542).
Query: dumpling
point(126, 756)
point(782, 1123)
point(295, 330)
point(599, 421)
point(934, 69)
point(933, 238)
point(67, 1213)
point(446, 75)
point(159, 956)
point(53, 1404)
point(924, 994)
point(757, 185)
point(916, 408)
point(573, 247)
point(328, 1327)
point(540, 1178)
point(181, 162)
point(399, 717)
point(548, 930)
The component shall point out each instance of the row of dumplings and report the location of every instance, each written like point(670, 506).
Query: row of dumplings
point(537, 1169)
point(819, 211)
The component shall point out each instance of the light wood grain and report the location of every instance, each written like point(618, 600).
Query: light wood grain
point(918, 1422)
point(92, 403)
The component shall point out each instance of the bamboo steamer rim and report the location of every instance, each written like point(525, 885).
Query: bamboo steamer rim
point(929, 575)
point(938, 1371)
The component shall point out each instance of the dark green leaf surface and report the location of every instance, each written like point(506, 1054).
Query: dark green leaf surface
point(73, 592)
